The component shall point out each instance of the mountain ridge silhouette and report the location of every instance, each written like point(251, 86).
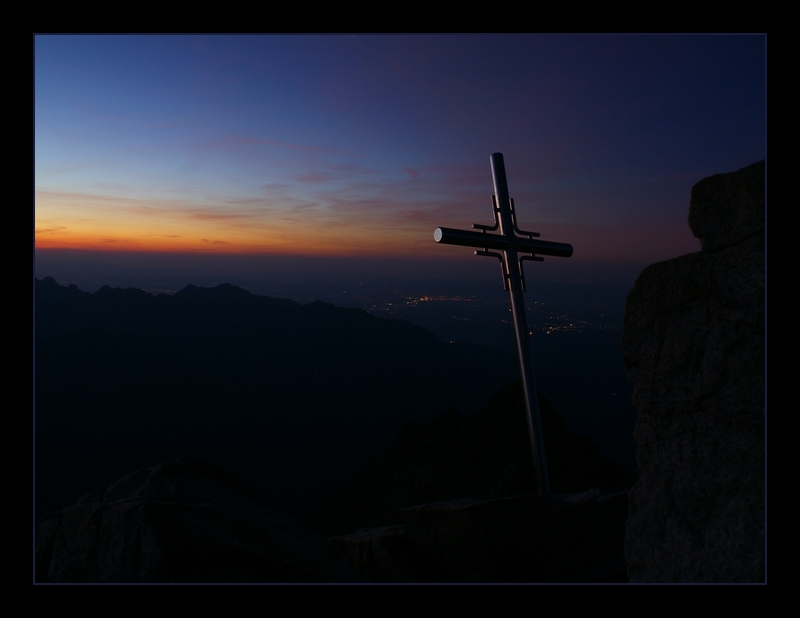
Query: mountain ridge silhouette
point(290, 397)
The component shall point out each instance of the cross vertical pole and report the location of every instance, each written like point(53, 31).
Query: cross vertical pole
point(512, 269)
point(516, 245)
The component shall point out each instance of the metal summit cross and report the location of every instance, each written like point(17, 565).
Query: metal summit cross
point(512, 242)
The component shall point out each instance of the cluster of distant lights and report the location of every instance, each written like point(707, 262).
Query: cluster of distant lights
point(413, 301)
point(572, 326)
point(425, 299)
point(552, 329)
point(575, 325)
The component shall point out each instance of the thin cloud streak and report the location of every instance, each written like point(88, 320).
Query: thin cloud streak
point(367, 143)
point(304, 148)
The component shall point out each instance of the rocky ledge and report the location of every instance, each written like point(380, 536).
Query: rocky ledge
point(694, 346)
point(182, 521)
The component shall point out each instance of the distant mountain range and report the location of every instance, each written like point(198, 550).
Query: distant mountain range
point(289, 397)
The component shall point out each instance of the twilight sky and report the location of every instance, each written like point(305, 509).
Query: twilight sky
point(361, 145)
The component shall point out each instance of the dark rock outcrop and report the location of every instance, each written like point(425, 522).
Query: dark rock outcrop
point(485, 455)
point(183, 521)
point(693, 344)
point(452, 504)
point(572, 538)
point(727, 209)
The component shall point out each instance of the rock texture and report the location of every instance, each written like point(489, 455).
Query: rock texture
point(568, 538)
point(484, 456)
point(414, 524)
point(694, 347)
point(183, 521)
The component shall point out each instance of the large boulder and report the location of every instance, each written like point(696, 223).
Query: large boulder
point(182, 521)
point(693, 345)
point(728, 208)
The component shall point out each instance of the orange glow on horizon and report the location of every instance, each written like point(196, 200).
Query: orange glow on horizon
point(80, 221)
point(87, 222)
point(361, 245)
point(138, 246)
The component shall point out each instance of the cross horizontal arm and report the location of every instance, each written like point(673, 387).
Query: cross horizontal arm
point(465, 238)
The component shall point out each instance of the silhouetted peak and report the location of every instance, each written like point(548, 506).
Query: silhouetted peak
point(230, 288)
point(48, 288)
point(47, 282)
point(189, 290)
point(223, 290)
point(122, 293)
point(320, 304)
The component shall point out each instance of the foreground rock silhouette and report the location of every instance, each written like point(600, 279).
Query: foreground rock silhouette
point(454, 503)
point(528, 538)
point(182, 521)
point(188, 521)
point(693, 344)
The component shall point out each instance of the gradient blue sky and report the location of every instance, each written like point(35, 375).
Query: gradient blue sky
point(361, 145)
